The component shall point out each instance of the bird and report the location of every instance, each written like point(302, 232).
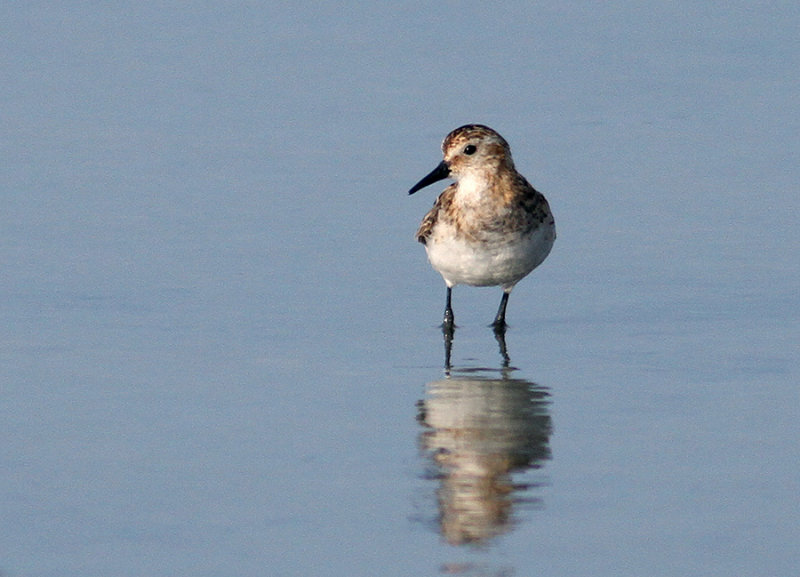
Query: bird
point(490, 227)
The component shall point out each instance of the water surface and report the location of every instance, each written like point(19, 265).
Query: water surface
point(219, 350)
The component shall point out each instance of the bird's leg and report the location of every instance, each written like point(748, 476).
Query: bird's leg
point(448, 330)
point(499, 323)
point(448, 346)
point(449, 320)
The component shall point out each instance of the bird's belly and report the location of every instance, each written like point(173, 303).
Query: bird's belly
point(496, 261)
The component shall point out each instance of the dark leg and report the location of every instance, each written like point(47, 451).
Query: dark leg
point(499, 323)
point(448, 329)
point(448, 333)
point(449, 321)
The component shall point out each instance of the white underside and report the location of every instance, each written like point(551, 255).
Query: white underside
point(494, 263)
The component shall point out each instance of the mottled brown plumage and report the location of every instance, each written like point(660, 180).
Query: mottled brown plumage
point(519, 213)
point(490, 227)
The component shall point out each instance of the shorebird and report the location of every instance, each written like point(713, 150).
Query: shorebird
point(490, 227)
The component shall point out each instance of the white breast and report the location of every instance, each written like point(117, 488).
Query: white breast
point(501, 260)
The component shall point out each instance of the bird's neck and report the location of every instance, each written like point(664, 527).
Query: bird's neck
point(477, 188)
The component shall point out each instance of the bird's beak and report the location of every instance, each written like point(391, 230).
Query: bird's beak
point(439, 173)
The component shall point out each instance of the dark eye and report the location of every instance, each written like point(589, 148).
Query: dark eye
point(470, 149)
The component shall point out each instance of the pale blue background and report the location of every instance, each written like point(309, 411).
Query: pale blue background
point(215, 323)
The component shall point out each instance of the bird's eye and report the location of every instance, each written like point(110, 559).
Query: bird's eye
point(470, 149)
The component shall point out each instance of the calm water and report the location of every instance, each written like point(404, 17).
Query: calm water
point(219, 351)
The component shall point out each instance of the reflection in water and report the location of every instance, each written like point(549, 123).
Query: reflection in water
point(449, 335)
point(480, 427)
point(475, 570)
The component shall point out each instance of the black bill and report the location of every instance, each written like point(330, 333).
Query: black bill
point(439, 173)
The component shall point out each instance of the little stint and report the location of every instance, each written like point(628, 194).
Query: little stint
point(490, 227)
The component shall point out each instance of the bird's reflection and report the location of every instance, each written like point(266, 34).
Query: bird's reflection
point(449, 336)
point(481, 426)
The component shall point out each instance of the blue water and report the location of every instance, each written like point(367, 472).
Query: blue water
point(219, 351)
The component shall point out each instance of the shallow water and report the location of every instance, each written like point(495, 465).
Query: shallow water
point(219, 350)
